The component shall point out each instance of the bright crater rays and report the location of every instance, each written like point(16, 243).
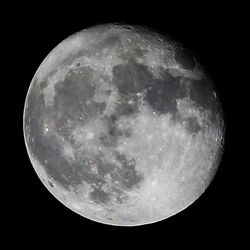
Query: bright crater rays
point(122, 126)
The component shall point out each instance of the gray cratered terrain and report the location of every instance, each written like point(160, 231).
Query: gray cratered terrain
point(122, 126)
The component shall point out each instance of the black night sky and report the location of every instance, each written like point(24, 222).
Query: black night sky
point(210, 32)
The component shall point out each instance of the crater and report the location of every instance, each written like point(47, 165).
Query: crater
point(51, 184)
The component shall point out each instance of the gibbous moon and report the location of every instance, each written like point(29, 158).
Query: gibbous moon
point(123, 126)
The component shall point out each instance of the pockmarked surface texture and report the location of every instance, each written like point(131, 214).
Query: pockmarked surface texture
point(123, 126)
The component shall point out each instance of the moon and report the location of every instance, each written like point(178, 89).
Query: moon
point(123, 126)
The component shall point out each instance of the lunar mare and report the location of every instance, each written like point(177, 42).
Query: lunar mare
point(122, 127)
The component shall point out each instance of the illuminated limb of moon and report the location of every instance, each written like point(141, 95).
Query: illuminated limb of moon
point(120, 129)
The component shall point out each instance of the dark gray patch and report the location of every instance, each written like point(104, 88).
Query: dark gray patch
point(51, 184)
point(75, 90)
point(127, 176)
point(110, 218)
point(44, 83)
point(110, 120)
point(105, 168)
point(192, 125)
point(124, 108)
point(162, 93)
point(109, 43)
point(201, 92)
point(132, 77)
point(86, 164)
point(63, 172)
point(186, 58)
point(73, 173)
point(71, 97)
point(99, 196)
point(126, 132)
point(48, 151)
point(69, 59)
point(34, 107)
point(111, 123)
point(140, 52)
point(108, 140)
point(47, 148)
point(44, 147)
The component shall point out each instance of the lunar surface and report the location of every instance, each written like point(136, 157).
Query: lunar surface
point(123, 126)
